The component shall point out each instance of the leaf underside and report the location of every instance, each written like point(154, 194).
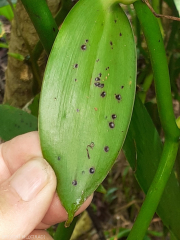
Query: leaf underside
point(87, 98)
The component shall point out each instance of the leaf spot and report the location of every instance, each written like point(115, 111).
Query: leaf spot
point(83, 47)
point(118, 97)
point(74, 182)
point(92, 170)
point(97, 84)
point(106, 149)
point(114, 116)
point(103, 94)
point(91, 145)
point(111, 125)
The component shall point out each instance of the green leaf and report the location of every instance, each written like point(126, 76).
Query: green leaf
point(146, 238)
point(153, 112)
point(16, 56)
point(34, 106)
point(143, 150)
point(1, 29)
point(63, 233)
point(43, 21)
point(177, 3)
point(5, 2)
point(87, 98)
point(101, 189)
point(15, 122)
point(3, 45)
point(6, 11)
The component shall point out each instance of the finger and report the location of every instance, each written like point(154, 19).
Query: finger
point(56, 213)
point(25, 198)
point(18, 151)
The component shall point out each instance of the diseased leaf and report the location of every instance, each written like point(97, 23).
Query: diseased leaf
point(87, 98)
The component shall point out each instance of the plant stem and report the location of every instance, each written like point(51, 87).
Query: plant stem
point(59, 18)
point(63, 233)
point(145, 87)
point(155, 191)
point(160, 15)
point(157, 53)
point(156, 7)
point(43, 22)
point(164, 100)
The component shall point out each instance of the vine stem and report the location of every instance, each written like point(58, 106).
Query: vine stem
point(43, 22)
point(156, 6)
point(155, 191)
point(159, 64)
point(160, 15)
point(63, 233)
point(66, 6)
point(160, 69)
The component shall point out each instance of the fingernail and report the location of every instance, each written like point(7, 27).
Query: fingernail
point(30, 179)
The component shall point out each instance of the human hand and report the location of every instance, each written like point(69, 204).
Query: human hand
point(28, 201)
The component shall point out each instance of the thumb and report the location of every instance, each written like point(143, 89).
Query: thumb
point(25, 198)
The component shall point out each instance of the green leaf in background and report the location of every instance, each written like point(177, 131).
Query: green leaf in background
point(143, 149)
point(34, 106)
point(123, 232)
point(3, 45)
point(16, 56)
point(6, 11)
point(177, 3)
point(5, 2)
point(101, 189)
point(2, 31)
point(87, 98)
point(153, 112)
point(15, 122)
point(170, 3)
